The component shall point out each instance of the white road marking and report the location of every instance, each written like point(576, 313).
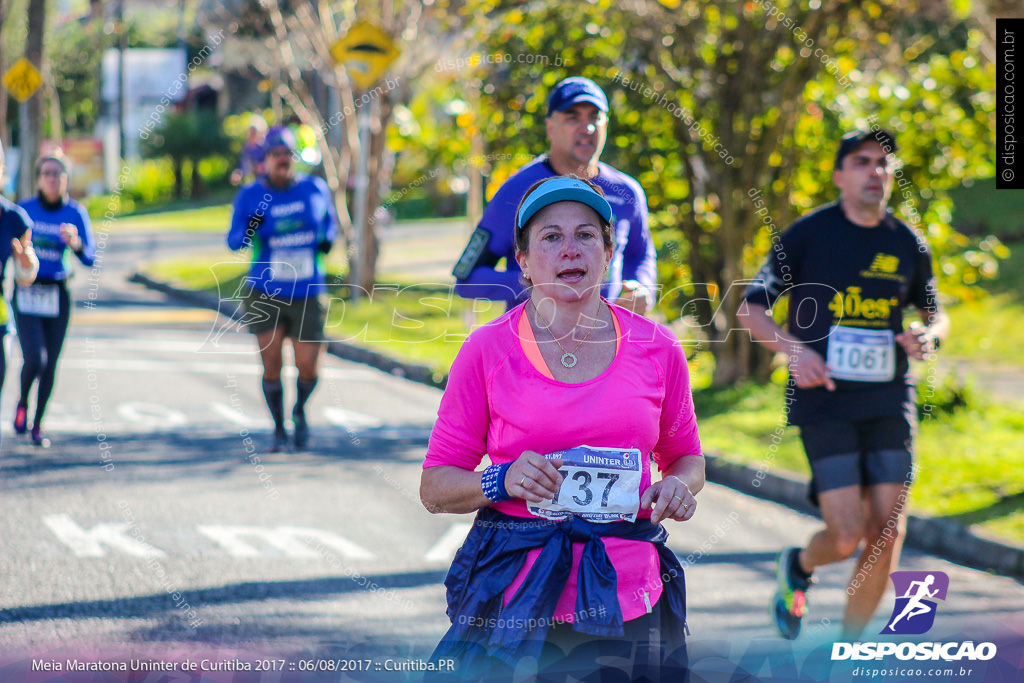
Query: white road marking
point(349, 419)
point(151, 414)
point(239, 418)
point(150, 346)
point(180, 367)
point(90, 543)
point(444, 549)
point(290, 540)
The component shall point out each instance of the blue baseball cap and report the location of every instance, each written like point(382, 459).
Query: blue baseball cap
point(562, 189)
point(279, 136)
point(575, 90)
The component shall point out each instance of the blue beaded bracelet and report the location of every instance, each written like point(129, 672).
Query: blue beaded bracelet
point(493, 483)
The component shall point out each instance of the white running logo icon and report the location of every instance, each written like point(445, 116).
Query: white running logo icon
point(915, 606)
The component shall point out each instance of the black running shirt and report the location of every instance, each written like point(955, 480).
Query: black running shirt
point(847, 287)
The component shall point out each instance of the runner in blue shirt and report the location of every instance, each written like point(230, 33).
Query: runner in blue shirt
point(577, 127)
point(250, 161)
point(42, 310)
point(289, 223)
point(16, 241)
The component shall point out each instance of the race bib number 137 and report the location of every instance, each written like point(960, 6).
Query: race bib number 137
point(599, 485)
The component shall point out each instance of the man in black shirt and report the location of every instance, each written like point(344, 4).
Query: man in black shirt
point(849, 269)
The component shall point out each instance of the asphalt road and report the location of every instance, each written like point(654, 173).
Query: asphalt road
point(156, 527)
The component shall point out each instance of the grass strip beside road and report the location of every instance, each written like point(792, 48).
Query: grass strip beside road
point(423, 324)
point(971, 465)
point(206, 219)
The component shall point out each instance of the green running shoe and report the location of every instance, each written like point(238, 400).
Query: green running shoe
point(789, 604)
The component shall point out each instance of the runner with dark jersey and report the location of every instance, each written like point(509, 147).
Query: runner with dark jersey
point(577, 128)
point(847, 277)
point(289, 223)
point(16, 241)
point(42, 310)
point(849, 269)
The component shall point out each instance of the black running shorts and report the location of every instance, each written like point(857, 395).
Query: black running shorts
point(862, 453)
point(302, 319)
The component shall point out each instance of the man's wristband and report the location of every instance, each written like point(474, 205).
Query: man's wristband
point(492, 483)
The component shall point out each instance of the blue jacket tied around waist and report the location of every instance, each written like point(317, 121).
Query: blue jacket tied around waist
point(494, 552)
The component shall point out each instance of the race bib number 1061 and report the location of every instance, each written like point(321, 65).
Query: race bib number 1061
point(599, 485)
point(861, 355)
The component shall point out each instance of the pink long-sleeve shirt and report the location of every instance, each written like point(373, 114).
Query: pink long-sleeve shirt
point(498, 402)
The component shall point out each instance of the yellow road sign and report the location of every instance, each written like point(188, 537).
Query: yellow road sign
point(22, 80)
point(367, 52)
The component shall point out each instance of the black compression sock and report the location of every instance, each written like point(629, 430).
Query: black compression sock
point(273, 392)
point(796, 570)
point(303, 389)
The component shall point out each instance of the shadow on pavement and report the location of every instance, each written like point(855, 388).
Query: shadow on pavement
point(1005, 506)
point(160, 456)
point(150, 605)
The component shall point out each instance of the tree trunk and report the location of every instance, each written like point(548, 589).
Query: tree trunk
point(53, 97)
point(378, 146)
point(3, 69)
point(197, 180)
point(31, 111)
point(179, 180)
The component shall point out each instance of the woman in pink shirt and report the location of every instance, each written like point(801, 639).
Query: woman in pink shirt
point(570, 397)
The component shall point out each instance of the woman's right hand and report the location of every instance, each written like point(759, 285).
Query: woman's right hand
point(533, 477)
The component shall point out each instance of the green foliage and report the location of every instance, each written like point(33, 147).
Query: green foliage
point(980, 209)
point(193, 136)
point(938, 100)
point(151, 184)
point(100, 207)
point(424, 171)
point(209, 219)
point(151, 181)
point(187, 135)
point(969, 457)
point(948, 396)
point(711, 102)
point(75, 52)
point(986, 327)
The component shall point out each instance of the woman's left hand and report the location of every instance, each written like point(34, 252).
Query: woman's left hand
point(669, 498)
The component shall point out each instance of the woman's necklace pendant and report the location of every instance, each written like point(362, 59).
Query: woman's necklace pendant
point(569, 359)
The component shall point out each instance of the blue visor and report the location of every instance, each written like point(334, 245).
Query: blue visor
point(563, 190)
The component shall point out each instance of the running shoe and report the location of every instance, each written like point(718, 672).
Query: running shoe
point(789, 604)
point(301, 431)
point(280, 444)
point(21, 419)
point(38, 438)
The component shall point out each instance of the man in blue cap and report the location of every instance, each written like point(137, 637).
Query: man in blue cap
point(289, 222)
point(577, 128)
